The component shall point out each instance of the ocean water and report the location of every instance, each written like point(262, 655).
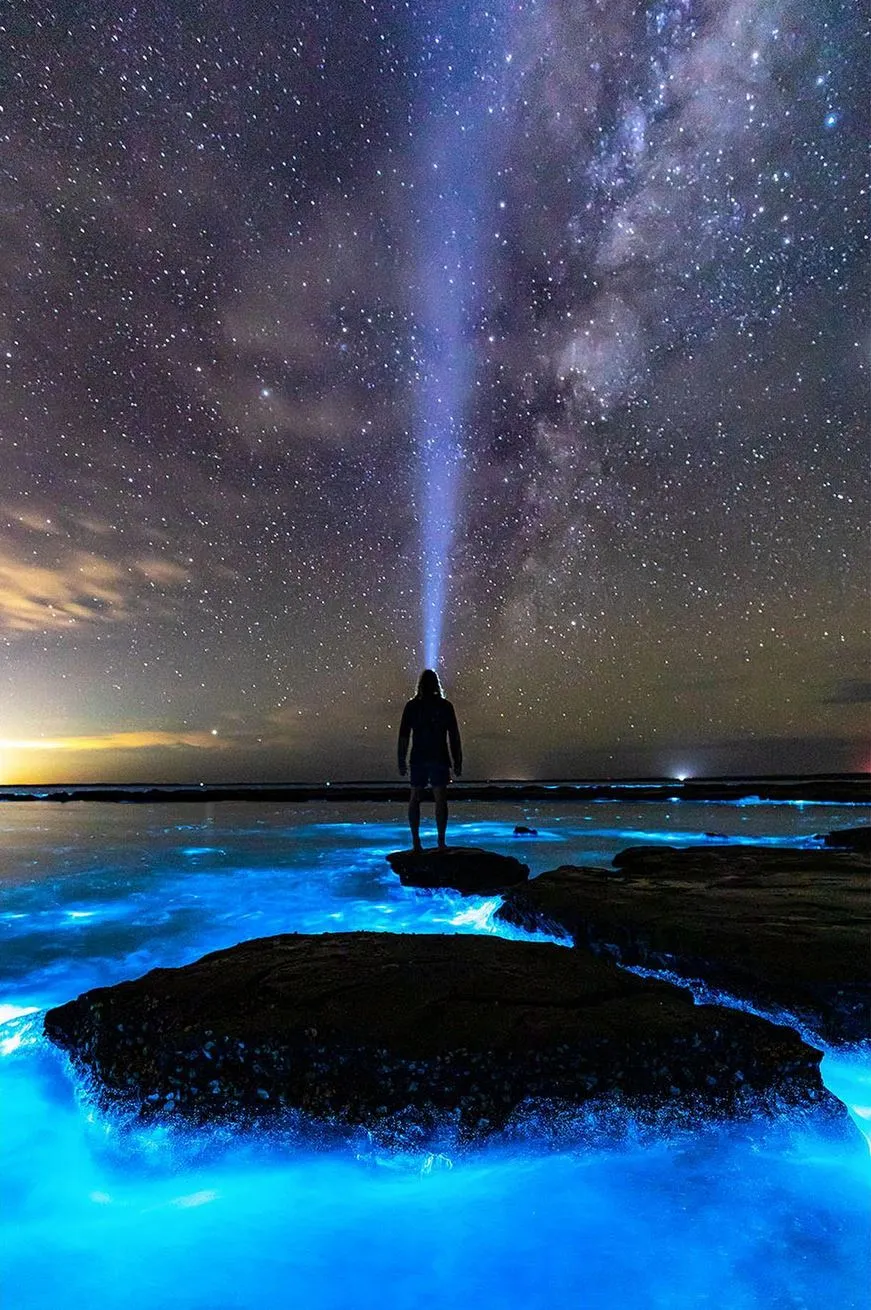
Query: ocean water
point(771, 1213)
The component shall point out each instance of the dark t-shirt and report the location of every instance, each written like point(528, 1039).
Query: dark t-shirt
point(431, 724)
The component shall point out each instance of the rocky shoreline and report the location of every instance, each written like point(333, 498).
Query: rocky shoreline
point(399, 1033)
point(781, 929)
point(467, 869)
point(850, 789)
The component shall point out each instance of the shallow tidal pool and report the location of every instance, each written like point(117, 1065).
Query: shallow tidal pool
point(774, 1213)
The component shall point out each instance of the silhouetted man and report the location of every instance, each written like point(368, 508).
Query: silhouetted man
point(431, 724)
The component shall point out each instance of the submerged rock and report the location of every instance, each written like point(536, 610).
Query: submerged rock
point(467, 869)
point(401, 1032)
point(780, 928)
point(851, 839)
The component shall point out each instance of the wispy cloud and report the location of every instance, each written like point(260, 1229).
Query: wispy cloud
point(81, 587)
point(120, 741)
point(36, 520)
point(84, 588)
point(162, 572)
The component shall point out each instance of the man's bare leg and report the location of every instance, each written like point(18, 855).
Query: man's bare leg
point(440, 796)
point(414, 817)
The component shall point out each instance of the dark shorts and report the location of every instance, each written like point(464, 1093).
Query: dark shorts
point(429, 775)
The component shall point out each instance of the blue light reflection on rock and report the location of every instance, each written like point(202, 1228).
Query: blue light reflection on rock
point(845, 1070)
point(847, 1074)
point(740, 1216)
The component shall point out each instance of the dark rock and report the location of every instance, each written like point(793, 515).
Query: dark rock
point(851, 839)
point(789, 929)
point(846, 788)
point(852, 788)
point(521, 830)
point(467, 869)
point(383, 1030)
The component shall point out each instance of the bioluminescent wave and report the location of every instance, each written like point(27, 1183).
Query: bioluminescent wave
point(462, 65)
point(595, 1210)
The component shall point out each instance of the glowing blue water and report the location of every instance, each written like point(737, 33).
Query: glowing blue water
point(771, 1214)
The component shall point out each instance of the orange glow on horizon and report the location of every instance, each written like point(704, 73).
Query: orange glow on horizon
point(114, 741)
point(29, 761)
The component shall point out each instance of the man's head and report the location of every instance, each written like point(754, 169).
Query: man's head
point(428, 684)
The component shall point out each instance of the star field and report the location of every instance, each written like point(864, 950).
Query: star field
point(248, 251)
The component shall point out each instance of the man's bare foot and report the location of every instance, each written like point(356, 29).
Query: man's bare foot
point(442, 846)
point(417, 848)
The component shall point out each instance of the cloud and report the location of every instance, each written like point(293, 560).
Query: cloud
point(162, 572)
point(82, 589)
point(312, 338)
point(120, 741)
point(35, 520)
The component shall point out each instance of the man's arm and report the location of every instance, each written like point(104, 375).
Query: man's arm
point(454, 739)
point(404, 736)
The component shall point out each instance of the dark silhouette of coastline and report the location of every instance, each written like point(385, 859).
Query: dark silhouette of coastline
point(853, 788)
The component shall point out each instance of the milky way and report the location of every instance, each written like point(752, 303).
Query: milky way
point(228, 318)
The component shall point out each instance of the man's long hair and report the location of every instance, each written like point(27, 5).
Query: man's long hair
point(428, 684)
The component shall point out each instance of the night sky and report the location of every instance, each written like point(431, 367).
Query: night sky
point(314, 313)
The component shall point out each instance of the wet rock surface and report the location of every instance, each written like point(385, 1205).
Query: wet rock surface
point(779, 928)
point(402, 1031)
point(467, 869)
point(851, 839)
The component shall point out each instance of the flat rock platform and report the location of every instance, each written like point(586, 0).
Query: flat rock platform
point(400, 1033)
point(467, 869)
point(787, 929)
